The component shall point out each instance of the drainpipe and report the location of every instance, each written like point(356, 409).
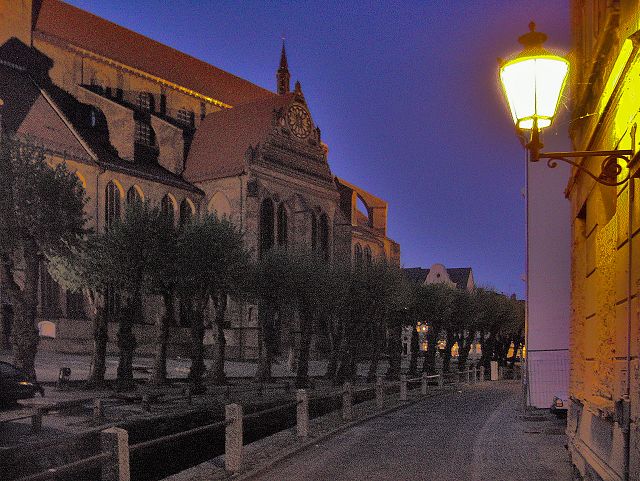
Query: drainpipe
point(624, 407)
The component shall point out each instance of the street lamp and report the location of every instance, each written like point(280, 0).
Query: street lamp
point(532, 83)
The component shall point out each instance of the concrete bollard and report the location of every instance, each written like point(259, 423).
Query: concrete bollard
point(424, 385)
point(116, 442)
point(379, 392)
point(98, 410)
point(440, 380)
point(474, 375)
point(302, 413)
point(467, 377)
point(233, 438)
point(36, 421)
point(403, 387)
point(481, 373)
point(347, 402)
point(188, 396)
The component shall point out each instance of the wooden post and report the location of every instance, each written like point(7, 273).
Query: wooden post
point(116, 442)
point(302, 413)
point(474, 375)
point(424, 384)
point(187, 394)
point(403, 387)
point(379, 392)
point(233, 438)
point(466, 376)
point(440, 380)
point(36, 421)
point(347, 402)
point(98, 410)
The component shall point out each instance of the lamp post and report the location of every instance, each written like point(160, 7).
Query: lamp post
point(532, 82)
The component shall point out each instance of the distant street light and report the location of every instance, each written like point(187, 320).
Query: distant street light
point(533, 82)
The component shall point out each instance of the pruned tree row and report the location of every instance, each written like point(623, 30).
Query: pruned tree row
point(195, 266)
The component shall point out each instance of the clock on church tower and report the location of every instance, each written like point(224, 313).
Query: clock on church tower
point(299, 121)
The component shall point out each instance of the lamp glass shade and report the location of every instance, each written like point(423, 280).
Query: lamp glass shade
point(533, 86)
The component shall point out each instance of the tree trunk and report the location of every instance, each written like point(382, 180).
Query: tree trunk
point(429, 364)
point(95, 310)
point(446, 355)
point(306, 323)
point(395, 351)
point(217, 375)
point(127, 342)
point(197, 346)
point(414, 351)
point(332, 365)
point(25, 333)
point(159, 373)
point(375, 345)
point(266, 313)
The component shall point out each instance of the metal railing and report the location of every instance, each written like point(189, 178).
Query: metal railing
point(114, 458)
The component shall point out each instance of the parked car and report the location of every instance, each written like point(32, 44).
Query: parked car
point(14, 385)
point(560, 405)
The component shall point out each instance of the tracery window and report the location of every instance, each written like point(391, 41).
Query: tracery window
point(185, 116)
point(111, 204)
point(282, 225)
point(266, 225)
point(133, 196)
point(358, 254)
point(167, 206)
point(186, 212)
point(144, 133)
point(324, 236)
point(368, 259)
point(314, 232)
point(145, 101)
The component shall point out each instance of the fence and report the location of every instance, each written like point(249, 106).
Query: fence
point(114, 464)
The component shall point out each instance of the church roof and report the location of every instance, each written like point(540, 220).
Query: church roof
point(220, 143)
point(89, 32)
point(29, 113)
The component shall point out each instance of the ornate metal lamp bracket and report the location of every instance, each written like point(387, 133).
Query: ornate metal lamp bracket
point(610, 168)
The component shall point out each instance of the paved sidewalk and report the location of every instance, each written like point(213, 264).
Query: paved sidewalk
point(478, 434)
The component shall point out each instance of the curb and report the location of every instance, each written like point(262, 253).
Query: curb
point(323, 437)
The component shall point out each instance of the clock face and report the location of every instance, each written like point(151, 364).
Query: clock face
point(299, 121)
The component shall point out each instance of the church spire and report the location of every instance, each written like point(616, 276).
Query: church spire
point(282, 76)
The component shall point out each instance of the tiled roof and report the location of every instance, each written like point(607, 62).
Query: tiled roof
point(460, 276)
point(221, 141)
point(28, 113)
point(97, 35)
point(416, 275)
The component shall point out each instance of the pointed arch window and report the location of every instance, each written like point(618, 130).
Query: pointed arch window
point(167, 206)
point(133, 196)
point(111, 204)
point(324, 236)
point(368, 259)
point(186, 212)
point(266, 226)
point(314, 232)
point(358, 254)
point(282, 225)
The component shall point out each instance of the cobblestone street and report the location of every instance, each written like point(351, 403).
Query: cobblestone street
point(478, 434)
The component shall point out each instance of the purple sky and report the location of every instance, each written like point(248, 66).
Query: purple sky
point(407, 98)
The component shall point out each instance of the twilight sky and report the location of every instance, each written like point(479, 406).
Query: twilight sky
point(407, 98)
